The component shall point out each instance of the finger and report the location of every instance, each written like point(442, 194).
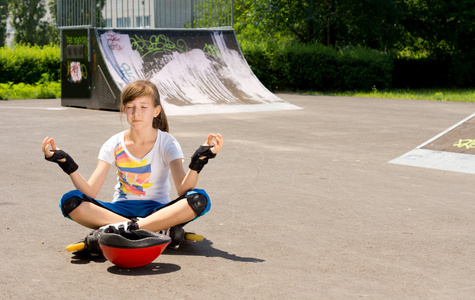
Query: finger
point(44, 144)
point(219, 143)
point(209, 140)
point(53, 144)
point(45, 147)
point(220, 140)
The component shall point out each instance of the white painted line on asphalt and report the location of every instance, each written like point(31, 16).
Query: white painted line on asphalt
point(30, 107)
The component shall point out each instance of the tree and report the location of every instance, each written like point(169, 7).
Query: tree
point(444, 30)
point(26, 20)
point(51, 30)
point(441, 26)
point(375, 24)
point(370, 23)
point(53, 10)
point(3, 21)
point(26, 16)
point(306, 21)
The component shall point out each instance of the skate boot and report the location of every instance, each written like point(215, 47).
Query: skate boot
point(177, 234)
point(92, 242)
point(87, 246)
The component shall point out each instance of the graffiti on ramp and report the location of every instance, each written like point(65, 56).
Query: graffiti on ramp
point(197, 71)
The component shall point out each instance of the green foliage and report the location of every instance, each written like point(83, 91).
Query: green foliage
point(316, 67)
point(420, 72)
point(369, 23)
point(250, 23)
point(375, 24)
point(432, 72)
point(440, 26)
point(53, 9)
point(26, 16)
point(30, 72)
point(438, 34)
point(3, 21)
point(27, 64)
point(307, 67)
point(258, 56)
point(445, 31)
point(40, 90)
point(47, 34)
point(363, 69)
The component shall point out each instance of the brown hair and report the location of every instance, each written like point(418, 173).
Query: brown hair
point(144, 88)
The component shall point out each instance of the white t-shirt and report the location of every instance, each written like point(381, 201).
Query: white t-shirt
point(146, 178)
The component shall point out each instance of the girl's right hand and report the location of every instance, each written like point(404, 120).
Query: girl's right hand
point(47, 142)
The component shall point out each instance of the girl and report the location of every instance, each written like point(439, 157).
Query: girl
point(144, 154)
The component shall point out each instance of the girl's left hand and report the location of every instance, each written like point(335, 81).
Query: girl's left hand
point(216, 141)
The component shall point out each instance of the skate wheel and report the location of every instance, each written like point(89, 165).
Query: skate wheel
point(76, 247)
point(193, 237)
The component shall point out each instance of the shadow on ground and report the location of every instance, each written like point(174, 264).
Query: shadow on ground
point(205, 248)
point(150, 269)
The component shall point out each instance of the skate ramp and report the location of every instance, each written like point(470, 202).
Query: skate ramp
point(451, 150)
point(197, 71)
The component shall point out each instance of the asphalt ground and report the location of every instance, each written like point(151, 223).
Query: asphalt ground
point(305, 206)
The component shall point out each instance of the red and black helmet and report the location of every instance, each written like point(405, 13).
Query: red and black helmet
point(132, 249)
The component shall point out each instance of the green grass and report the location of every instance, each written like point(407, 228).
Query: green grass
point(455, 95)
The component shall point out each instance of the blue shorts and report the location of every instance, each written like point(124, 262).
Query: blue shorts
point(130, 208)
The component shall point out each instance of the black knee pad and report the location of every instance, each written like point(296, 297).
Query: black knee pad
point(197, 202)
point(70, 204)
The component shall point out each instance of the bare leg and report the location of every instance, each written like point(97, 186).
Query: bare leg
point(93, 216)
point(177, 213)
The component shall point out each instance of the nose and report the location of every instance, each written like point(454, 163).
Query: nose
point(135, 112)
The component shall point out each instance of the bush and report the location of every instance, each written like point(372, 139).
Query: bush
point(312, 67)
point(316, 67)
point(10, 91)
point(27, 64)
point(430, 72)
point(258, 57)
point(363, 69)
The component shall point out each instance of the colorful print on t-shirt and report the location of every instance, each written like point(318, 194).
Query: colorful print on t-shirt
point(133, 175)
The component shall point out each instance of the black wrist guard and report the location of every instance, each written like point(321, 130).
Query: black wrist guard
point(196, 163)
point(69, 166)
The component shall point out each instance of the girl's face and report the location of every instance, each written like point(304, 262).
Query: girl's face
point(140, 112)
